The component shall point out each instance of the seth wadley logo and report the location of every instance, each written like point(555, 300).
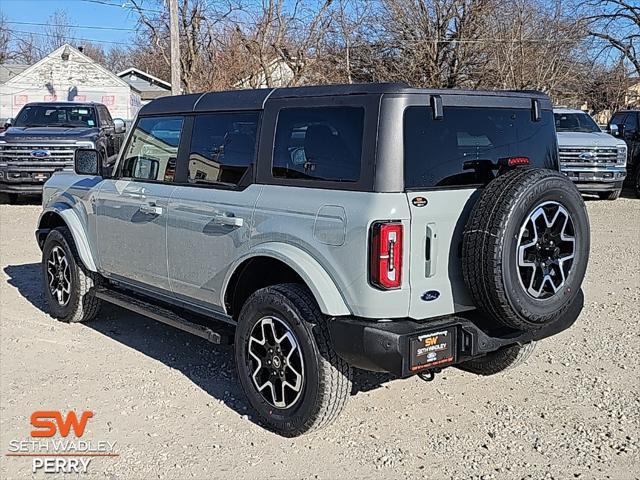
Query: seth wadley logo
point(60, 455)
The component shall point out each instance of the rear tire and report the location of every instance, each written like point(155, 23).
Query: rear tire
point(297, 384)
point(614, 195)
point(68, 285)
point(500, 360)
point(526, 247)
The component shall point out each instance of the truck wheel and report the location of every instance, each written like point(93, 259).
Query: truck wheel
point(526, 247)
point(609, 195)
point(67, 283)
point(287, 366)
point(500, 360)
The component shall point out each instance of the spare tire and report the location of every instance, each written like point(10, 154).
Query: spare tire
point(526, 247)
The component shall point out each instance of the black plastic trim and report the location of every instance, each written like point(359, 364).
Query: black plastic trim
point(383, 345)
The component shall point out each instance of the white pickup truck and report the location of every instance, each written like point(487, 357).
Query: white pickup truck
point(593, 159)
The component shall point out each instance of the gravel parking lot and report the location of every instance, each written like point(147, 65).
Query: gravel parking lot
point(175, 409)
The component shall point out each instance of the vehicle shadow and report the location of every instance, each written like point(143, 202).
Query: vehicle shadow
point(210, 367)
point(27, 278)
point(21, 200)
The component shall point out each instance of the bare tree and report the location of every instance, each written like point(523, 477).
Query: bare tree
point(283, 33)
point(199, 21)
point(5, 37)
point(617, 23)
point(57, 32)
point(434, 42)
point(532, 45)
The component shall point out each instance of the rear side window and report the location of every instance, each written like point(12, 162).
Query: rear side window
point(617, 119)
point(631, 123)
point(223, 148)
point(466, 146)
point(322, 143)
point(153, 149)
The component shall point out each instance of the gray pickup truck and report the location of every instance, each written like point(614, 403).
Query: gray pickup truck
point(594, 160)
point(321, 229)
point(43, 136)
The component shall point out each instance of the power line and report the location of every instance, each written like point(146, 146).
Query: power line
point(124, 5)
point(84, 27)
point(94, 40)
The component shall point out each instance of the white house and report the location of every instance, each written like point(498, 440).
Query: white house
point(66, 74)
point(147, 85)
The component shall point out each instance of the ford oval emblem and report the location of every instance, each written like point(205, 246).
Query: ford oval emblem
point(430, 295)
point(40, 153)
point(586, 156)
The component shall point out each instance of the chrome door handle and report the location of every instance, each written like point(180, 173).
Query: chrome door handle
point(226, 220)
point(151, 209)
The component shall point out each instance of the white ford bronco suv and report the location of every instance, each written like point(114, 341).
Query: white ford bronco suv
point(321, 229)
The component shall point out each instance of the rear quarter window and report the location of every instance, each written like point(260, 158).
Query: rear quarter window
point(319, 143)
point(465, 147)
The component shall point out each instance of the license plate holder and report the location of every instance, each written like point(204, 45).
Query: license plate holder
point(40, 177)
point(434, 349)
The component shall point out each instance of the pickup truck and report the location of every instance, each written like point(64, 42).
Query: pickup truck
point(594, 160)
point(43, 137)
point(625, 124)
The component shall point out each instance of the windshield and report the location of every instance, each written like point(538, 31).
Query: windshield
point(575, 122)
point(55, 116)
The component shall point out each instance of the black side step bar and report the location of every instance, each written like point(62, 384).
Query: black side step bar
point(163, 315)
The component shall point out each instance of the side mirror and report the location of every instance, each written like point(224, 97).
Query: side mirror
point(613, 130)
point(86, 161)
point(8, 122)
point(119, 125)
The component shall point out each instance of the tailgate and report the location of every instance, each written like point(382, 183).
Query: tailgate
point(435, 273)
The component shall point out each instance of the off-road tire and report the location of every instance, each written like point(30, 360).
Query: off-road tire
point(327, 377)
point(503, 359)
point(82, 305)
point(614, 195)
point(490, 243)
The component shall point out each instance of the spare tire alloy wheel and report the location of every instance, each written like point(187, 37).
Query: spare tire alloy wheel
point(59, 276)
point(276, 362)
point(546, 249)
point(526, 248)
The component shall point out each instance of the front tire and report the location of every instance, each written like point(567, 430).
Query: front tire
point(68, 285)
point(286, 362)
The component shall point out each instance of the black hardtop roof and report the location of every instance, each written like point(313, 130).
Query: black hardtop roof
point(255, 99)
point(63, 104)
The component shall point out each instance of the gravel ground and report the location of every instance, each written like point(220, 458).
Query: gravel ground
point(175, 409)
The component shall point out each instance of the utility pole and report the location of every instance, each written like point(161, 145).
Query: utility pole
point(176, 81)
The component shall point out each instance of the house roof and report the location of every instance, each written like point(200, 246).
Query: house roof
point(25, 72)
point(8, 71)
point(144, 75)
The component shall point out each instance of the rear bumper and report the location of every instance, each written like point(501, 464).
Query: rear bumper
point(384, 346)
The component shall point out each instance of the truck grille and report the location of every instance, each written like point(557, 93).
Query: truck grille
point(588, 156)
point(19, 154)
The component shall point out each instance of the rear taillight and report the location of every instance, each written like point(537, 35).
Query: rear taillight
point(386, 255)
